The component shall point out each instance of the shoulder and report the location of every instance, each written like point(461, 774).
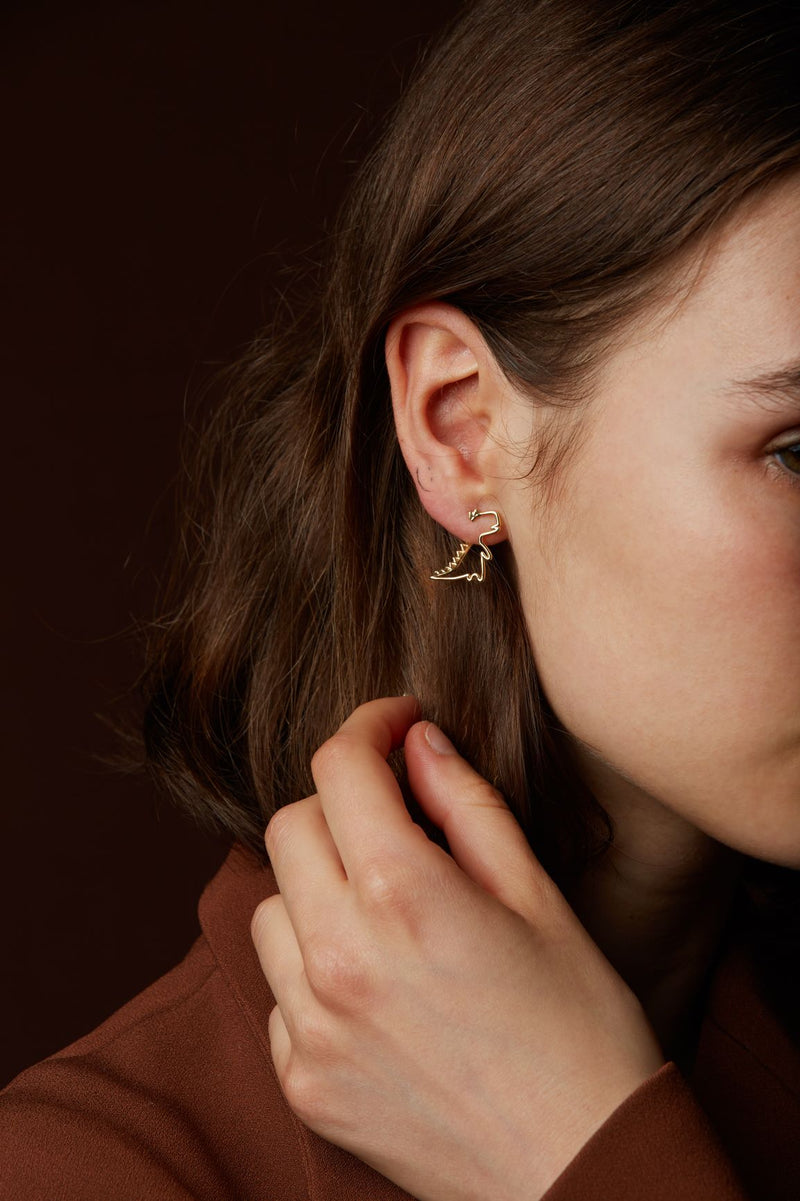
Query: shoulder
point(169, 1097)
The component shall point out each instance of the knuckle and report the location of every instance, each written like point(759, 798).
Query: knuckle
point(323, 758)
point(262, 916)
point(277, 830)
point(483, 794)
point(382, 885)
point(313, 1037)
point(303, 1090)
point(337, 975)
point(393, 889)
point(328, 758)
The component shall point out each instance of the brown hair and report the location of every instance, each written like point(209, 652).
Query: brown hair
point(547, 167)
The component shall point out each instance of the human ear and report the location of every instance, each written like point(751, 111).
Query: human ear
point(447, 397)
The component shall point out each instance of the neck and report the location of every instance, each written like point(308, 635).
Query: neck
point(657, 904)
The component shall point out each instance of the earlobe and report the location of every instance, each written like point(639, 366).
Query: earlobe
point(441, 379)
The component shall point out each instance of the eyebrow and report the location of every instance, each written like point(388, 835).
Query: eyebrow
point(771, 388)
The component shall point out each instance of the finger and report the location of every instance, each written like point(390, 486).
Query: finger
point(280, 1044)
point(306, 863)
point(358, 792)
point(484, 837)
point(279, 954)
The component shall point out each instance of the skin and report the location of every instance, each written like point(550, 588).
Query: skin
point(672, 662)
point(661, 588)
point(381, 1040)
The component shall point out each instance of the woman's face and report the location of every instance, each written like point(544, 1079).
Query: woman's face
point(661, 586)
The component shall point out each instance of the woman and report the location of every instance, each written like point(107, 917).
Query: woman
point(517, 497)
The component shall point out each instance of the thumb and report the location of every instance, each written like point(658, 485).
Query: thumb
point(485, 838)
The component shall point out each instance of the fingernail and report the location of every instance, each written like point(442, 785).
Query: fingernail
point(438, 741)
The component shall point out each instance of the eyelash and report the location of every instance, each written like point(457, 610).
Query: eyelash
point(791, 477)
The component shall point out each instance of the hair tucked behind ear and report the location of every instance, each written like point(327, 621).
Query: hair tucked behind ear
point(550, 163)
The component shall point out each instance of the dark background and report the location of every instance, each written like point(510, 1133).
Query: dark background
point(163, 165)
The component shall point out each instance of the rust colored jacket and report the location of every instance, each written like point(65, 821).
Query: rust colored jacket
point(174, 1097)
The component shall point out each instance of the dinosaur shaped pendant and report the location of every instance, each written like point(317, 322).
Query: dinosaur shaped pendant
point(447, 573)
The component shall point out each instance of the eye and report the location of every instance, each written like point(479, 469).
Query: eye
point(789, 457)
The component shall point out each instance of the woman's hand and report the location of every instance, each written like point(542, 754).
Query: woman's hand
point(447, 1020)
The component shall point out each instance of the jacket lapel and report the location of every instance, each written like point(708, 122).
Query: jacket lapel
point(746, 1076)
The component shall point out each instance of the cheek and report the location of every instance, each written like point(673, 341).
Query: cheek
point(664, 630)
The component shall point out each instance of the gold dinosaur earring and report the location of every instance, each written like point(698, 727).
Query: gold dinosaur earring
point(446, 573)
